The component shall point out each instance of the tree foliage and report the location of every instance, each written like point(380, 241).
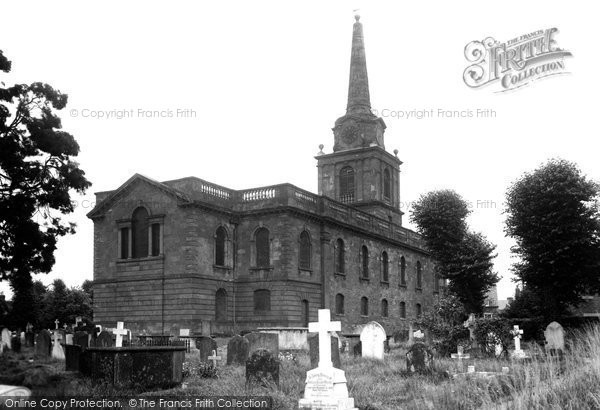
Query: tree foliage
point(491, 331)
point(37, 175)
point(552, 213)
point(445, 324)
point(462, 256)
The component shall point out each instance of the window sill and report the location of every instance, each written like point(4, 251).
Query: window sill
point(144, 259)
point(340, 275)
point(363, 279)
point(304, 270)
point(339, 314)
point(221, 267)
point(419, 289)
point(402, 285)
point(256, 268)
point(385, 283)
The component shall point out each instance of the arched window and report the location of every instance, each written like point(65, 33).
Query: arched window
point(364, 306)
point(419, 275)
point(419, 310)
point(339, 304)
point(384, 308)
point(139, 230)
point(304, 258)
point(403, 271)
point(364, 256)
point(262, 300)
point(220, 246)
point(124, 252)
point(385, 267)
point(305, 313)
point(340, 257)
point(263, 257)
point(221, 305)
point(347, 184)
point(387, 184)
point(155, 235)
point(402, 310)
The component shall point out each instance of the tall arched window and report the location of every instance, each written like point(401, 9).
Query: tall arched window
point(304, 258)
point(385, 267)
point(263, 256)
point(384, 308)
point(305, 313)
point(339, 304)
point(419, 310)
point(262, 300)
point(419, 275)
point(402, 271)
point(402, 310)
point(340, 256)
point(364, 256)
point(221, 305)
point(387, 184)
point(220, 246)
point(364, 306)
point(139, 231)
point(347, 184)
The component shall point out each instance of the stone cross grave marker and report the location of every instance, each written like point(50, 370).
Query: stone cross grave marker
point(372, 338)
point(555, 337)
point(214, 358)
point(65, 326)
point(470, 324)
point(56, 323)
point(517, 334)
point(325, 385)
point(57, 350)
point(460, 355)
point(120, 331)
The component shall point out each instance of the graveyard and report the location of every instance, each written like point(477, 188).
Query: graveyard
point(383, 375)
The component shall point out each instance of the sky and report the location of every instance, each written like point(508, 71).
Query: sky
point(246, 91)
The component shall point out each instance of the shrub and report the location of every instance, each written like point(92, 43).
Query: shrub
point(200, 369)
point(489, 332)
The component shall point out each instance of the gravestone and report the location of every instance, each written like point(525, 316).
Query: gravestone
point(326, 386)
point(237, 350)
point(69, 338)
point(357, 349)
point(460, 355)
point(81, 339)
point(419, 359)
point(104, 339)
point(72, 357)
point(266, 341)
point(43, 343)
point(313, 346)
point(184, 332)
point(57, 350)
point(214, 358)
point(517, 334)
point(418, 335)
point(372, 338)
point(29, 339)
point(262, 368)
point(120, 331)
point(205, 346)
point(6, 338)
point(555, 337)
point(470, 324)
point(16, 344)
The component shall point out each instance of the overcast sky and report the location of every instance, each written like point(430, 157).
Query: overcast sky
point(267, 80)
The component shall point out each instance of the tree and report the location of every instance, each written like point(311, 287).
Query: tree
point(37, 175)
point(552, 213)
point(463, 257)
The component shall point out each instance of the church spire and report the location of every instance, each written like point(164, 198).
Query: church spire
point(359, 101)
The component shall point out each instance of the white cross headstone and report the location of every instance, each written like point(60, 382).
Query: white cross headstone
point(56, 322)
point(214, 358)
point(57, 350)
point(323, 327)
point(120, 331)
point(65, 326)
point(325, 385)
point(460, 355)
point(516, 332)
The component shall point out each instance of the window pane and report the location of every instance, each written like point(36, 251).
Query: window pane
point(304, 261)
point(221, 305)
point(155, 239)
point(347, 184)
point(339, 304)
point(124, 243)
point(139, 226)
point(220, 238)
point(263, 259)
point(262, 300)
point(340, 257)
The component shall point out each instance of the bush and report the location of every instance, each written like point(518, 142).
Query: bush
point(200, 369)
point(489, 332)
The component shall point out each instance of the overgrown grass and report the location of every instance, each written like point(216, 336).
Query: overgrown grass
point(543, 383)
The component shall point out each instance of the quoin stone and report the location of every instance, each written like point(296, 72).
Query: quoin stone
point(372, 339)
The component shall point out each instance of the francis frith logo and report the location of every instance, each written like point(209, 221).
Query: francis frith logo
point(514, 63)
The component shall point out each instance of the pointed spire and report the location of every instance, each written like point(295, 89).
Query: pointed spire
point(359, 101)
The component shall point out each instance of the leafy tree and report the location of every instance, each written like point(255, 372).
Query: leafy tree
point(492, 331)
point(445, 324)
point(552, 213)
point(526, 304)
point(37, 174)
point(463, 257)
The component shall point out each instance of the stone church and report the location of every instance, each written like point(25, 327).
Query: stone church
point(192, 254)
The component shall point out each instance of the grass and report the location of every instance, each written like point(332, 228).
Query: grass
point(543, 383)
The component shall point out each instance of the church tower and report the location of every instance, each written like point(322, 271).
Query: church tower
point(360, 172)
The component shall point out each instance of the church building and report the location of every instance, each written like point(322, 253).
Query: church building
point(189, 253)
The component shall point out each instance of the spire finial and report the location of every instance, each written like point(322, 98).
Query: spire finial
point(359, 101)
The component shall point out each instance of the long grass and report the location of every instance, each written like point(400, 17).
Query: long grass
point(544, 382)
